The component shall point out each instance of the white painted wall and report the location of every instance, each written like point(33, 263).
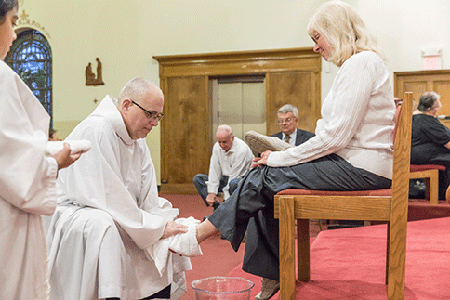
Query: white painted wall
point(125, 34)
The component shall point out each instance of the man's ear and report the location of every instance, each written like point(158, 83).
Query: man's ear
point(126, 104)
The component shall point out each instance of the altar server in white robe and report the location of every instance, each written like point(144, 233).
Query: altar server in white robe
point(109, 214)
point(27, 177)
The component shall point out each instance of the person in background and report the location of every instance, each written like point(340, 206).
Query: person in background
point(351, 149)
point(230, 160)
point(430, 139)
point(289, 136)
point(288, 120)
point(27, 177)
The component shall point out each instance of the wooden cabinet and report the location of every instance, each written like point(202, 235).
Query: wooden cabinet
point(420, 82)
point(292, 76)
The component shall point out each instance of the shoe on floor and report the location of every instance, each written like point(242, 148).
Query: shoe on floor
point(269, 288)
point(259, 143)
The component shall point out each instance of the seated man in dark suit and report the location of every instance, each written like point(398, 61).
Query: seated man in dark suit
point(288, 120)
point(289, 136)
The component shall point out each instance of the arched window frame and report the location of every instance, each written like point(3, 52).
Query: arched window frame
point(30, 56)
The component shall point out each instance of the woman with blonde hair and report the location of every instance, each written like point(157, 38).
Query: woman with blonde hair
point(351, 149)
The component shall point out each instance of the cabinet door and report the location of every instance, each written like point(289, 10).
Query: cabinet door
point(298, 88)
point(186, 145)
point(420, 82)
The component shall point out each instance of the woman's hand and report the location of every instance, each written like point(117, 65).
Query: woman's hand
point(258, 161)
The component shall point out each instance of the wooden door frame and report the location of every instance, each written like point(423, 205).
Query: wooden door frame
point(239, 63)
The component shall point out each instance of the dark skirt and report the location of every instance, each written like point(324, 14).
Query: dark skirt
point(250, 207)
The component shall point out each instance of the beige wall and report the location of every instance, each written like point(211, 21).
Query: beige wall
point(125, 34)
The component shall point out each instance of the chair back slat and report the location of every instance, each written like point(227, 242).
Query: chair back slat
point(398, 111)
point(402, 147)
point(395, 269)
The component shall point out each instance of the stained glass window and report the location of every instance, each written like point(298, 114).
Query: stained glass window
point(31, 57)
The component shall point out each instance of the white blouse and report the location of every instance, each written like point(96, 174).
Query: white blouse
point(357, 119)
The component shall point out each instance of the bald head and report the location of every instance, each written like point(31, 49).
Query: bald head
point(139, 102)
point(138, 88)
point(225, 137)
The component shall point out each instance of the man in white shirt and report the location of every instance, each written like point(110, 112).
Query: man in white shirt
point(230, 160)
point(109, 215)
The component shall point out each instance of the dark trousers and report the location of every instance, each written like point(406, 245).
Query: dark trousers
point(200, 180)
point(250, 207)
point(434, 154)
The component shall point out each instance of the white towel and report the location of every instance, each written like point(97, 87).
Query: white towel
point(75, 145)
point(184, 244)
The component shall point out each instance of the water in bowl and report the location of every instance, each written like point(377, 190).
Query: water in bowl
point(222, 288)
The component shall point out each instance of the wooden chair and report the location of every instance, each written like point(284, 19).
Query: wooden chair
point(389, 205)
point(431, 175)
point(429, 171)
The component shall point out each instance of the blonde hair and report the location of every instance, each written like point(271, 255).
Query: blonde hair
point(344, 30)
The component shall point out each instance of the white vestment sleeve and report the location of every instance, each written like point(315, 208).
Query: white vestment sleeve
point(27, 176)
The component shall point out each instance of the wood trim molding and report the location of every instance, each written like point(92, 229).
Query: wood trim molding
point(241, 62)
point(423, 72)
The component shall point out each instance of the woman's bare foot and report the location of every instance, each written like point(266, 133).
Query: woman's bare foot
point(205, 230)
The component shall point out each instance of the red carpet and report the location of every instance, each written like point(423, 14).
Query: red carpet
point(346, 263)
point(349, 263)
point(218, 257)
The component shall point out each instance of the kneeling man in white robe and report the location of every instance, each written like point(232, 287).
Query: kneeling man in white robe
point(104, 240)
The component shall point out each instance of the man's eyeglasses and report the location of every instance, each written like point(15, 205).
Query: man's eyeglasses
point(284, 121)
point(150, 114)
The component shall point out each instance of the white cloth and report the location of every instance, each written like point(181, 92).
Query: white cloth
point(75, 146)
point(232, 163)
point(114, 182)
point(183, 244)
point(27, 189)
point(357, 119)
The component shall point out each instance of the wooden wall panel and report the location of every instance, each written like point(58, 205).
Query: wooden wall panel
point(291, 88)
point(420, 82)
point(185, 129)
point(418, 88)
point(442, 87)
